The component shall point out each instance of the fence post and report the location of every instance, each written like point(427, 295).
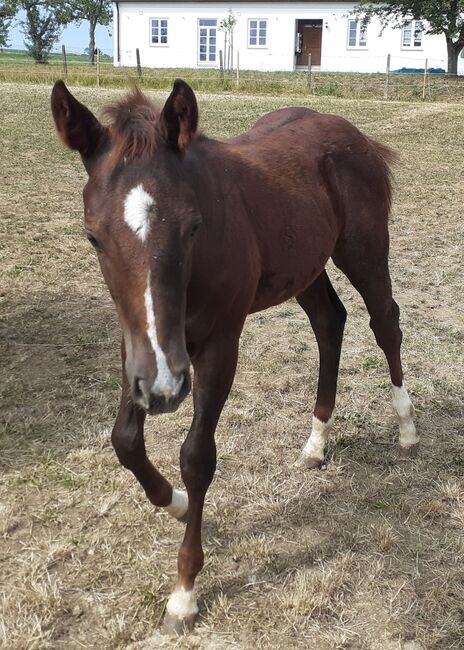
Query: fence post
point(425, 78)
point(310, 75)
point(221, 66)
point(238, 69)
point(385, 89)
point(65, 63)
point(139, 68)
point(98, 68)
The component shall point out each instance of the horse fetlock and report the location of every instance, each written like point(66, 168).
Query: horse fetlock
point(179, 505)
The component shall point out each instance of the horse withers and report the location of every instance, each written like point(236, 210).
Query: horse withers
point(192, 235)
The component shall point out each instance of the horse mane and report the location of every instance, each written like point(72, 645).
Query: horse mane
point(132, 125)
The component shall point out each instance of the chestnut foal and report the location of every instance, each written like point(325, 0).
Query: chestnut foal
point(193, 234)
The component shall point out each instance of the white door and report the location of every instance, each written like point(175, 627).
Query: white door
point(207, 35)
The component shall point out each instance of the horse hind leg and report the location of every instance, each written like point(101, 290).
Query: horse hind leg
point(374, 286)
point(327, 316)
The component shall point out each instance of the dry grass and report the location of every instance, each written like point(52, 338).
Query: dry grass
point(366, 554)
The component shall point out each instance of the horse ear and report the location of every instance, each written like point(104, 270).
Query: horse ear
point(77, 126)
point(179, 118)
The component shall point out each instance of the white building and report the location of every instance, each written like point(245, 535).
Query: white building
point(272, 35)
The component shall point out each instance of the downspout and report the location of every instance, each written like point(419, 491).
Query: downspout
point(118, 53)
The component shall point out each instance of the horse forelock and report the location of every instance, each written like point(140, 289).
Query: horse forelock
point(133, 126)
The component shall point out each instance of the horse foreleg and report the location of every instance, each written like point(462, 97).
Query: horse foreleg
point(214, 372)
point(128, 442)
point(327, 316)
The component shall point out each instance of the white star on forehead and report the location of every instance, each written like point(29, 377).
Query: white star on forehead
point(137, 206)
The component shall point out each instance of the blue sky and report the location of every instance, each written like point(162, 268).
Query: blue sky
point(75, 38)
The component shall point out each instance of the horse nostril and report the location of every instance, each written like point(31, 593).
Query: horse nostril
point(141, 391)
point(185, 383)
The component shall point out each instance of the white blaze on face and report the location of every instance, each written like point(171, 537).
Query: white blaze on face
point(137, 211)
point(405, 411)
point(315, 446)
point(165, 383)
point(179, 504)
point(182, 603)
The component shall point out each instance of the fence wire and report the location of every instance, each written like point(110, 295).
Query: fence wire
point(381, 85)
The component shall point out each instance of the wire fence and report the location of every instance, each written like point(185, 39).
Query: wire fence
point(426, 82)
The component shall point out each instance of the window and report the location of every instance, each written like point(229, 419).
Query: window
point(357, 33)
point(257, 33)
point(158, 31)
point(207, 32)
point(412, 34)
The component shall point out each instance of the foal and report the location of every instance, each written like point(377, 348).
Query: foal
point(192, 235)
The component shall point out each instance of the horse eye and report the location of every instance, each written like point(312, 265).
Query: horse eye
point(93, 241)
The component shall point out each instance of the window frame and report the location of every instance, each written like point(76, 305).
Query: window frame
point(207, 63)
point(159, 19)
point(412, 46)
point(361, 30)
point(258, 28)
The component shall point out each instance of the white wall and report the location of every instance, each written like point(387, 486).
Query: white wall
point(182, 49)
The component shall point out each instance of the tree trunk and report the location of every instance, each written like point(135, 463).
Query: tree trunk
point(92, 42)
point(453, 53)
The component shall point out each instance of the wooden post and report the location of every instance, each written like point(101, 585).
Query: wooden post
point(98, 68)
point(139, 68)
point(310, 75)
point(385, 88)
point(425, 78)
point(231, 50)
point(238, 69)
point(65, 63)
point(221, 66)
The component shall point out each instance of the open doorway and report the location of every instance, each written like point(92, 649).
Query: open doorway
point(308, 39)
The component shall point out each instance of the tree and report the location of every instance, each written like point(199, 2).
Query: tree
point(41, 28)
point(441, 16)
point(7, 13)
point(97, 12)
point(227, 26)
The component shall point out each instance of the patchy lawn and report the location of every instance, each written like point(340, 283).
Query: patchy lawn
point(367, 553)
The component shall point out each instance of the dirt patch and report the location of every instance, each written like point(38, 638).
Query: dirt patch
point(365, 554)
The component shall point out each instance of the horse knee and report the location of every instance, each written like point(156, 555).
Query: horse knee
point(127, 443)
point(198, 463)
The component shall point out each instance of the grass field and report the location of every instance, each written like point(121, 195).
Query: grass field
point(16, 67)
point(366, 554)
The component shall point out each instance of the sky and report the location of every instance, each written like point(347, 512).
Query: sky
point(74, 38)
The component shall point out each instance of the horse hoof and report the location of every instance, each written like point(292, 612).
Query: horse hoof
point(410, 451)
point(309, 462)
point(173, 625)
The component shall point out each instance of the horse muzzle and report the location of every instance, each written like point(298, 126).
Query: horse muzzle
point(163, 395)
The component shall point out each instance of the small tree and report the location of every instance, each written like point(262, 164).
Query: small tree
point(41, 28)
point(7, 13)
point(441, 16)
point(227, 26)
point(97, 12)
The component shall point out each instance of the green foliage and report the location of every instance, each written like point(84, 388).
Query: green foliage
point(440, 16)
point(7, 12)
point(97, 12)
point(42, 27)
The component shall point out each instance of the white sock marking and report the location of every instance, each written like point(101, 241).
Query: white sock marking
point(136, 211)
point(182, 603)
point(315, 446)
point(405, 411)
point(179, 504)
point(165, 383)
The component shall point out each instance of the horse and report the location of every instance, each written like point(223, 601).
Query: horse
point(192, 235)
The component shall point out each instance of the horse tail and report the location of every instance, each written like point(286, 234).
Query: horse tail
point(387, 157)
